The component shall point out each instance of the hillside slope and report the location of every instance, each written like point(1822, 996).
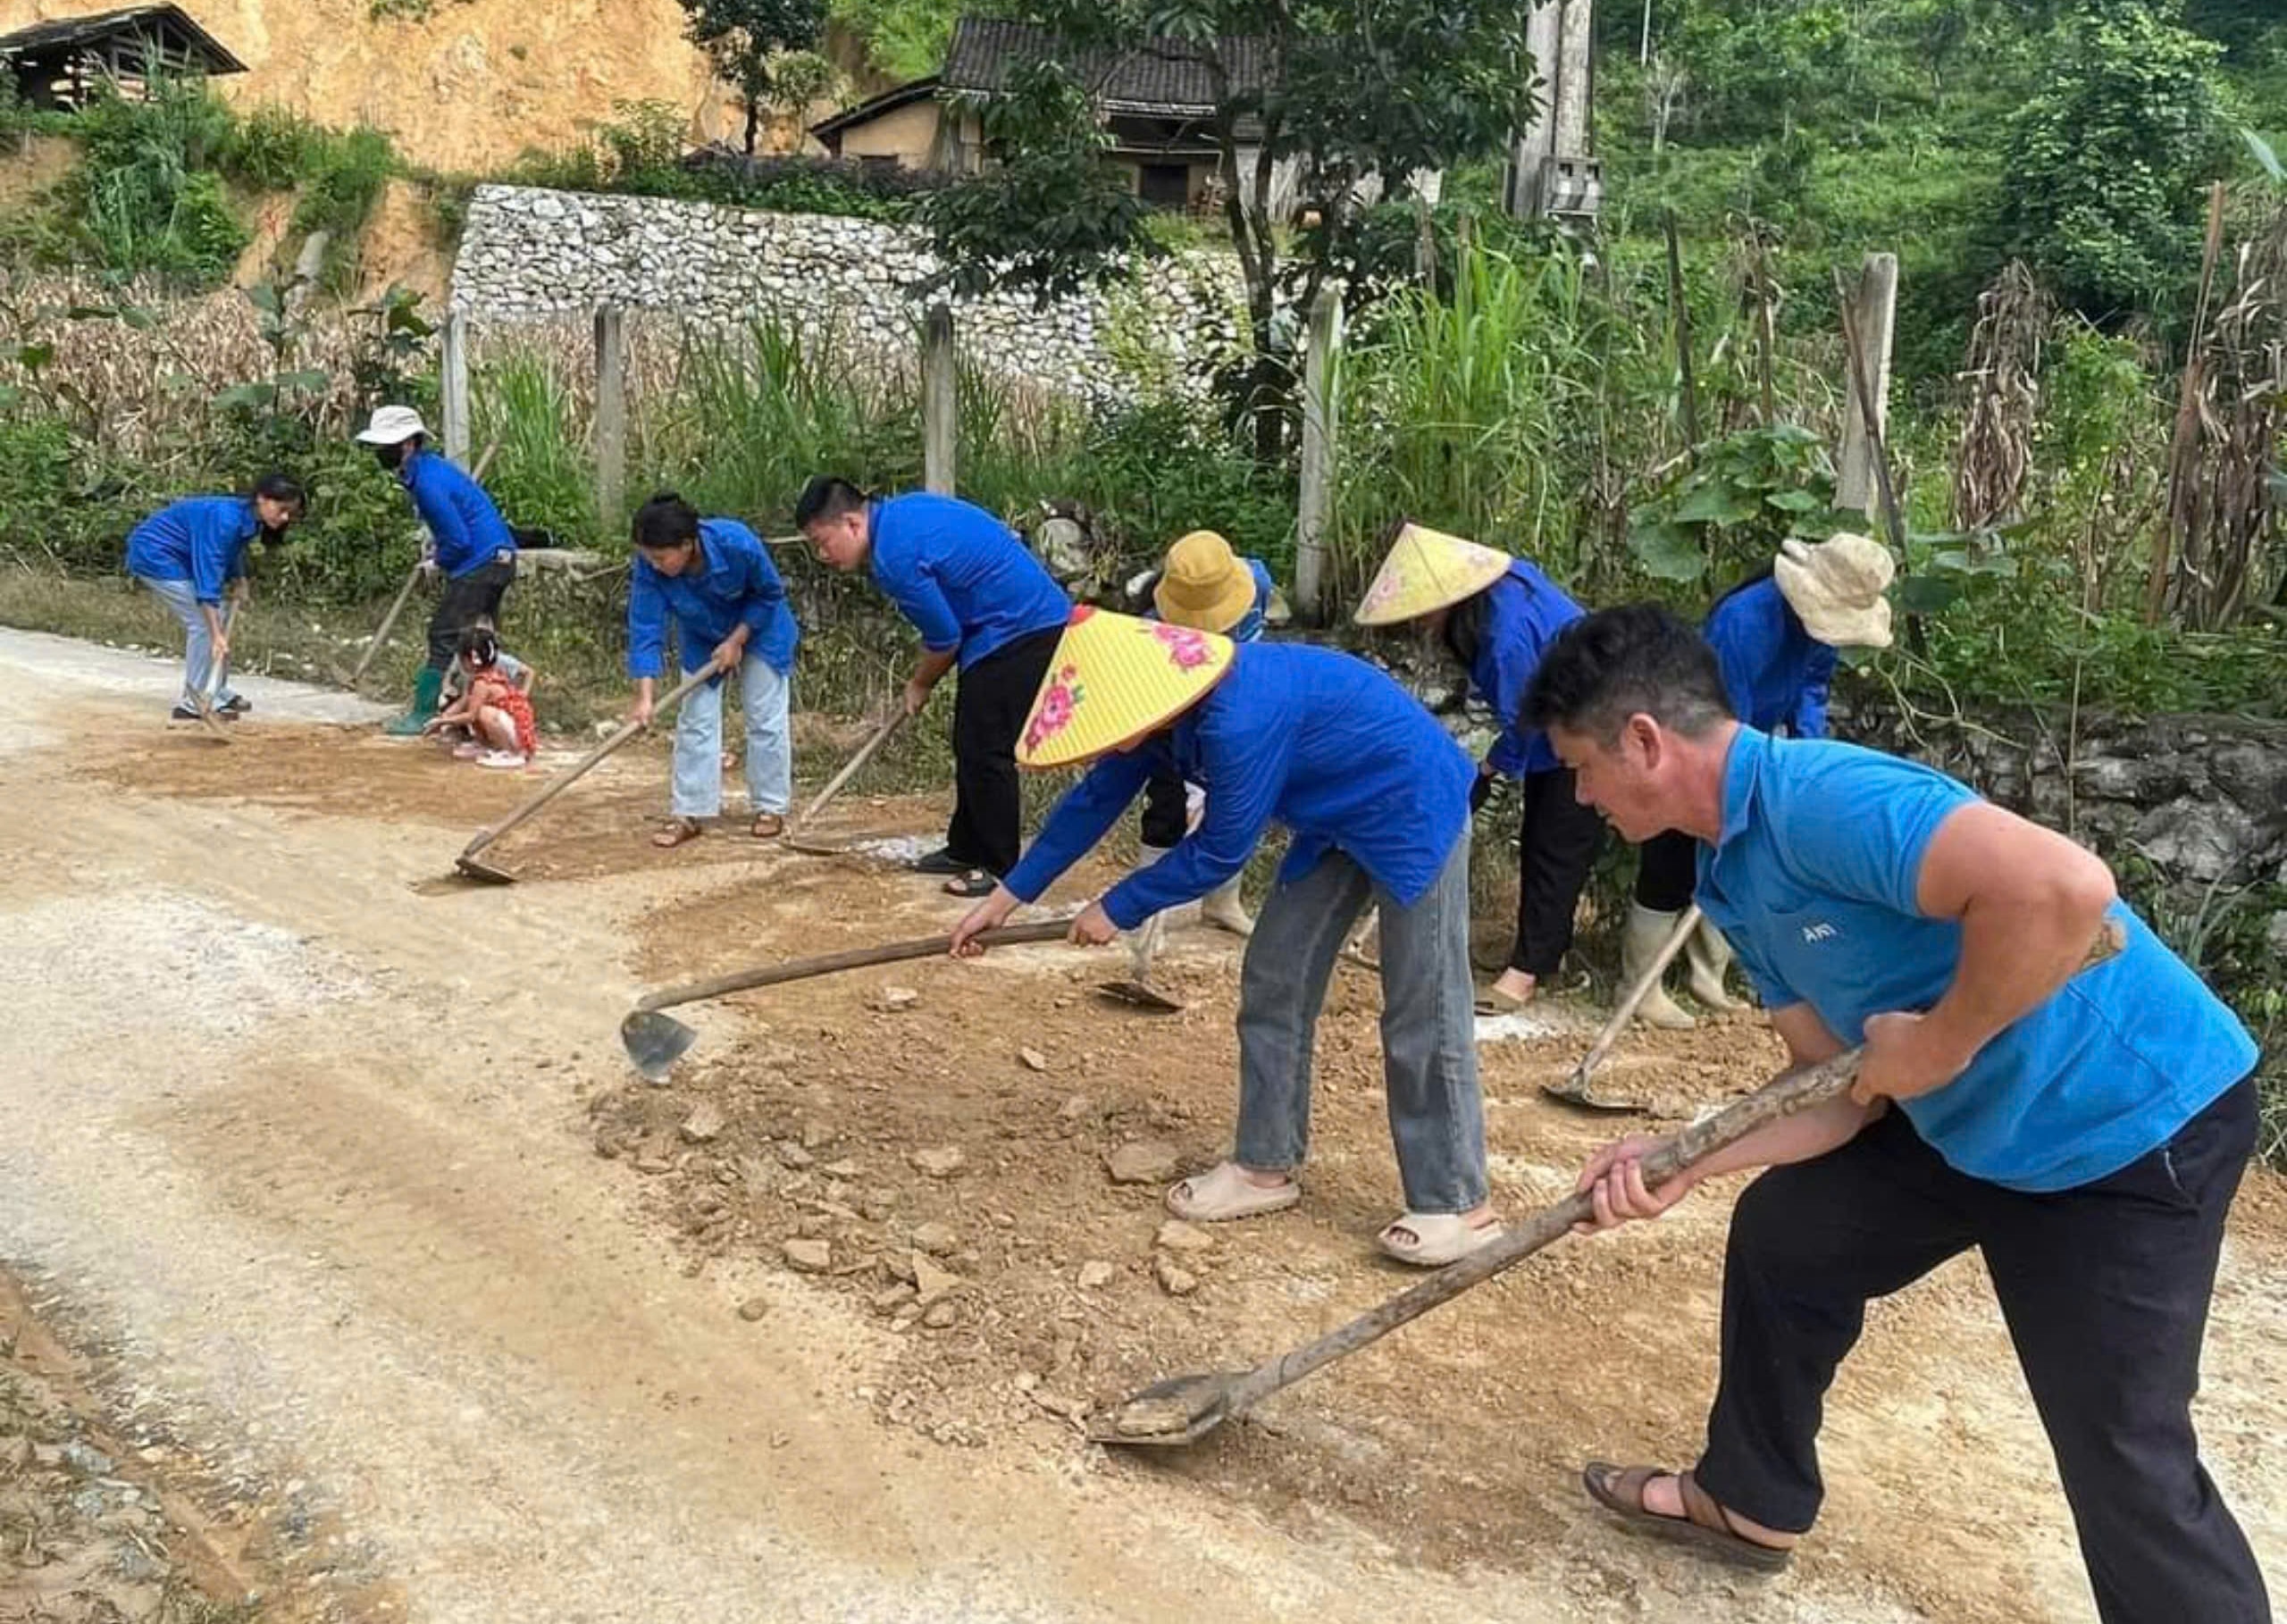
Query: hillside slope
point(471, 86)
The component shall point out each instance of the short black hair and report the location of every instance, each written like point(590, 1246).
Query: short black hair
point(280, 487)
point(666, 521)
point(827, 496)
point(1608, 666)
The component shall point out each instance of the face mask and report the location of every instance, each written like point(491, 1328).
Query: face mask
point(391, 457)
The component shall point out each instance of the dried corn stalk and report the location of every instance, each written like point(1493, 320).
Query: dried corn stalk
point(1993, 461)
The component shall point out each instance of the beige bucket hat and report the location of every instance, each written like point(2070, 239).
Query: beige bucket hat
point(1836, 587)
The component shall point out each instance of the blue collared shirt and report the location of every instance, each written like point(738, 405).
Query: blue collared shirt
point(1527, 612)
point(1815, 883)
point(201, 540)
point(467, 528)
point(1776, 673)
point(739, 586)
point(962, 577)
point(1318, 739)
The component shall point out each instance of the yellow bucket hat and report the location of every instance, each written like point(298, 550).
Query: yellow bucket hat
point(1427, 570)
point(1113, 678)
point(1204, 585)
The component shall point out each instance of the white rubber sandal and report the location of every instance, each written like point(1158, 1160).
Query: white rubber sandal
point(1437, 1238)
point(1224, 1193)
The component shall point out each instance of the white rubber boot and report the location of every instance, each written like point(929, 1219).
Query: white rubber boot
point(1710, 956)
point(1646, 933)
point(1223, 908)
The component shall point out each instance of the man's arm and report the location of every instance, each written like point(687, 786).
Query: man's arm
point(2028, 902)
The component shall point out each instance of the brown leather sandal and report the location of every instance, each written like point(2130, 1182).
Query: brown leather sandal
point(768, 826)
point(678, 830)
point(1705, 1524)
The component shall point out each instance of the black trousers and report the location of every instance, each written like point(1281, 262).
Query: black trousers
point(1556, 846)
point(465, 600)
point(2105, 1289)
point(1667, 872)
point(1166, 811)
point(989, 709)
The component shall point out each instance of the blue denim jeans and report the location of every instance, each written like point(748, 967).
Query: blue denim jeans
point(198, 643)
point(698, 787)
point(1429, 1027)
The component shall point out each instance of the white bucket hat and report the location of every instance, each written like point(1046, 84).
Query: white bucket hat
point(392, 426)
point(1836, 588)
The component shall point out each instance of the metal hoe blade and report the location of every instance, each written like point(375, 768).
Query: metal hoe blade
point(1140, 994)
point(655, 1041)
point(1574, 1090)
point(469, 868)
point(1180, 1411)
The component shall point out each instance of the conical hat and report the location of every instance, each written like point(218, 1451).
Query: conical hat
point(1114, 679)
point(1427, 570)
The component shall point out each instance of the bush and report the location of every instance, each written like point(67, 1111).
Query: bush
point(147, 195)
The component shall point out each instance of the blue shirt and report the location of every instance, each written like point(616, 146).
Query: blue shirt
point(1776, 674)
point(202, 540)
point(1318, 739)
point(962, 577)
point(468, 529)
point(1814, 883)
point(739, 586)
point(1249, 629)
point(1526, 611)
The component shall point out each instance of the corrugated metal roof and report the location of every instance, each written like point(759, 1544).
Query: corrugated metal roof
point(1168, 76)
point(68, 33)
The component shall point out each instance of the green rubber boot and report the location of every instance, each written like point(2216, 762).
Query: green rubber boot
point(427, 688)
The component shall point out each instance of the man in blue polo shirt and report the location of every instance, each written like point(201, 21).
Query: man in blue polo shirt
point(1375, 795)
point(469, 543)
point(2084, 1128)
point(712, 578)
point(980, 600)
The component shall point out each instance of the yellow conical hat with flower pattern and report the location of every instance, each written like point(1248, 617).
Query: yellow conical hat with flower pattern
point(1114, 679)
point(1426, 569)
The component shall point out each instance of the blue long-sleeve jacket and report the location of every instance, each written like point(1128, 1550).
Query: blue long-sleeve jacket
point(201, 540)
point(1528, 611)
point(739, 586)
point(961, 576)
point(468, 529)
point(1776, 673)
point(1319, 741)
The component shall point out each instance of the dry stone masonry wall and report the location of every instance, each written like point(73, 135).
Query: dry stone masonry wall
point(528, 254)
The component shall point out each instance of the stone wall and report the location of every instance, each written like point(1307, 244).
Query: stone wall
point(2202, 798)
point(528, 254)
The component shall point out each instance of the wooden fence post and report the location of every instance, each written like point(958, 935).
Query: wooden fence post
point(1874, 318)
point(940, 399)
point(453, 364)
point(611, 413)
point(1319, 428)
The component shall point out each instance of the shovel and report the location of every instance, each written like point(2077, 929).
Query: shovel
point(1574, 1089)
point(655, 1041)
point(466, 864)
point(203, 699)
point(794, 838)
point(1185, 1408)
point(1136, 989)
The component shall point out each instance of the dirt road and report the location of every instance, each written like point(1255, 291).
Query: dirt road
point(305, 1148)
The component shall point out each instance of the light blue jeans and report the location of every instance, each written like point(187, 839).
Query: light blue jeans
point(198, 643)
point(1429, 1027)
point(697, 788)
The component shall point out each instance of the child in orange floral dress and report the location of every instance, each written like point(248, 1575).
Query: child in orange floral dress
point(493, 706)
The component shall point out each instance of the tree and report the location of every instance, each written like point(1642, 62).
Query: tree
point(1344, 90)
point(743, 38)
point(2104, 163)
